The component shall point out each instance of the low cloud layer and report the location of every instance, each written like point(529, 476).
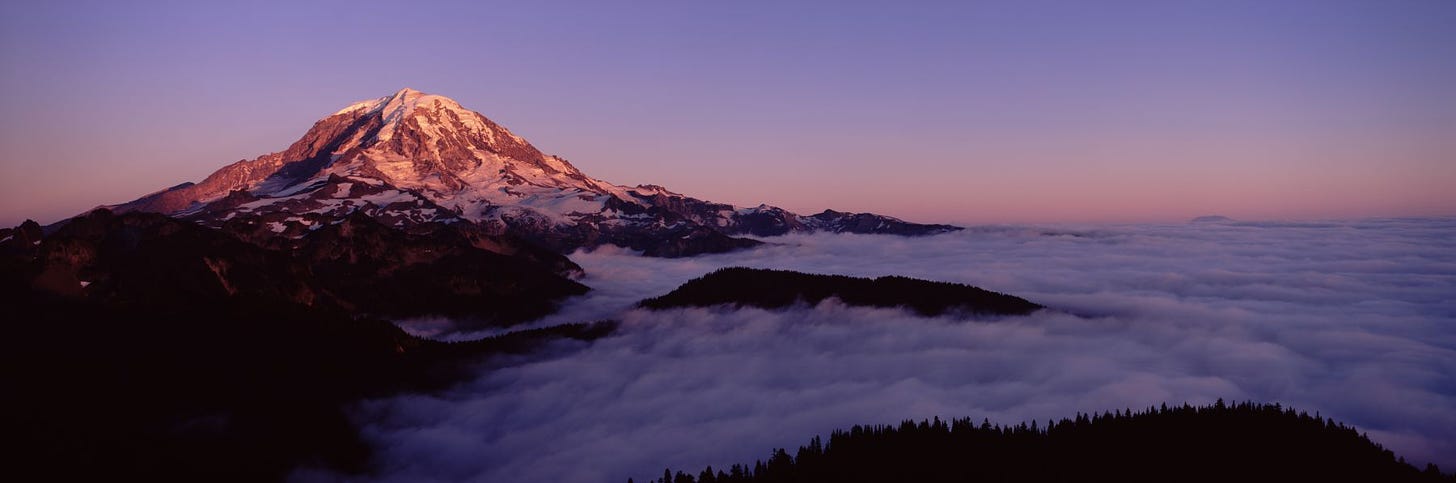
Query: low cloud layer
point(1354, 320)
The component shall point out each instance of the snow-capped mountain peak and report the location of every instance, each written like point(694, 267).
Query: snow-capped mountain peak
point(412, 158)
point(405, 96)
point(395, 108)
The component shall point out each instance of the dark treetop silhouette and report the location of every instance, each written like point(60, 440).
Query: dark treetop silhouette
point(1216, 443)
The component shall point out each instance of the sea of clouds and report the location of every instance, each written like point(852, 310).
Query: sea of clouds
point(1355, 320)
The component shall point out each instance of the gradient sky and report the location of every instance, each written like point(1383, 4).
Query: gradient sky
point(964, 112)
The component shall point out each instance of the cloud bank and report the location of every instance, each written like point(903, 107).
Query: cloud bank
point(1356, 320)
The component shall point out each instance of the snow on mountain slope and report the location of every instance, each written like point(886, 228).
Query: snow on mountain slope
point(412, 158)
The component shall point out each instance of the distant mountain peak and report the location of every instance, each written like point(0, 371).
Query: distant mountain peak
point(412, 157)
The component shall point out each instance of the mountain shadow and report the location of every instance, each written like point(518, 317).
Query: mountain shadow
point(246, 390)
point(144, 348)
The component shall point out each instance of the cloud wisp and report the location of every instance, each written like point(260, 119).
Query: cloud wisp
point(1355, 320)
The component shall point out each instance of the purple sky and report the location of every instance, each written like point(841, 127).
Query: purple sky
point(955, 111)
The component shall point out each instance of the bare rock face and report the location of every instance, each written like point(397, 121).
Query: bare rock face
point(412, 159)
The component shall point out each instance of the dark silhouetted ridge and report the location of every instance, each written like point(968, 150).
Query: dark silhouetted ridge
point(146, 348)
point(357, 265)
point(1244, 442)
point(771, 289)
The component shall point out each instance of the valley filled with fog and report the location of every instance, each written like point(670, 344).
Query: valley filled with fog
point(1355, 320)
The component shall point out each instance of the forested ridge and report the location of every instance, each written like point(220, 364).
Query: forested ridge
point(1240, 442)
point(771, 289)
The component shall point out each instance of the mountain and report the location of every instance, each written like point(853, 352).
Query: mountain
point(411, 159)
point(772, 289)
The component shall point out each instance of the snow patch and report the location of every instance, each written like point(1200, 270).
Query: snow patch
point(301, 187)
point(369, 104)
